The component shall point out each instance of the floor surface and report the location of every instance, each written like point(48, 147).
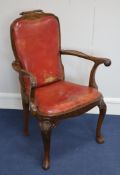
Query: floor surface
point(74, 149)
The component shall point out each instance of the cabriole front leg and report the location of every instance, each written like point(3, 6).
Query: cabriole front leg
point(102, 109)
point(46, 127)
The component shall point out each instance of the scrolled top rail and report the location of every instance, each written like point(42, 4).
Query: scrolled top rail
point(32, 11)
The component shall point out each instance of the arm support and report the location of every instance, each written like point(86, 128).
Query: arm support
point(33, 83)
point(97, 61)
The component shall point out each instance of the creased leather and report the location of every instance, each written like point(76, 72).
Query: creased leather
point(37, 43)
point(63, 96)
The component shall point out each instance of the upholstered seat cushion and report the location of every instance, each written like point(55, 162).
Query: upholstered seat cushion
point(63, 96)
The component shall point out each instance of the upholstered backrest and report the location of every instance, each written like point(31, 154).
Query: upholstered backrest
point(36, 40)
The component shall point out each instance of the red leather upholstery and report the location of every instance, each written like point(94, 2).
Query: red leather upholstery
point(63, 96)
point(37, 43)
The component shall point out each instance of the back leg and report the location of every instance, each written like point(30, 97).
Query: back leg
point(25, 104)
point(26, 117)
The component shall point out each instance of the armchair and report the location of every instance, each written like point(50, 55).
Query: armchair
point(35, 39)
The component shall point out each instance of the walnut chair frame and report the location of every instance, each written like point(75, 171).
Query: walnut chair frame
point(46, 122)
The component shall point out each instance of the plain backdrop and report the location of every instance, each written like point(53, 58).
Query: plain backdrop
point(91, 26)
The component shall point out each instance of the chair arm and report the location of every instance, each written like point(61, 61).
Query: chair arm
point(97, 61)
